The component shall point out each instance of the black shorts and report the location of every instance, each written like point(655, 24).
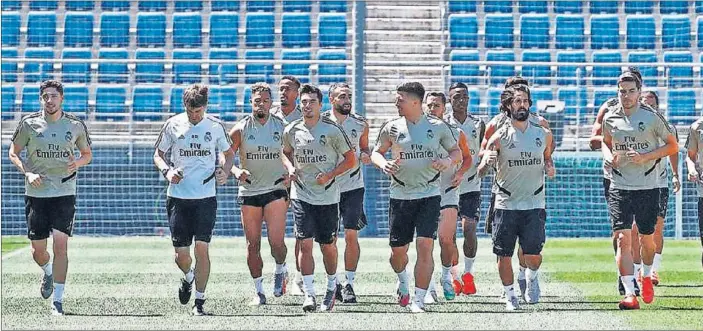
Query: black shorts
point(470, 205)
point(641, 206)
point(491, 214)
point(261, 200)
point(606, 188)
point(188, 218)
point(46, 214)
point(663, 202)
point(407, 216)
point(527, 225)
point(351, 209)
point(315, 221)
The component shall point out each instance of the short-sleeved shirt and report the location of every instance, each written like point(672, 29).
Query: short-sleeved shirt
point(260, 153)
point(612, 104)
point(663, 165)
point(502, 120)
point(693, 142)
point(416, 145)
point(194, 150)
point(354, 125)
point(316, 150)
point(49, 146)
point(642, 131)
point(474, 128)
point(287, 119)
point(445, 177)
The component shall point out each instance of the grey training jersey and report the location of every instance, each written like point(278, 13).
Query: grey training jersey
point(260, 153)
point(474, 129)
point(315, 150)
point(353, 126)
point(501, 120)
point(416, 145)
point(663, 165)
point(520, 168)
point(449, 194)
point(693, 142)
point(641, 132)
point(49, 146)
point(287, 119)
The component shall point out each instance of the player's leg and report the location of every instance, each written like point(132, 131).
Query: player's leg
point(447, 245)
point(64, 210)
point(469, 204)
point(700, 225)
point(326, 227)
point(636, 257)
point(205, 216)
point(180, 224)
point(351, 210)
point(38, 228)
point(606, 190)
point(275, 216)
point(401, 233)
point(659, 234)
point(532, 238)
point(621, 211)
point(298, 289)
point(426, 216)
point(252, 219)
point(646, 216)
point(504, 237)
point(304, 226)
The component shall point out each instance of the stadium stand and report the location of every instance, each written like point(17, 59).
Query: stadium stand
point(153, 5)
point(331, 73)
point(78, 30)
point(300, 70)
point(223, 73)
point(189, 72)
point(35, 71)
point(640, 32)
point(41, 29)
point(8, 102)
point(332, 30)
point(259, 29)
point(147, 103)
point(297, 5)
point(463, 31)
point(11, 29)
point(151, 29)
point(537, 74)
point(497, 6)
point(569, 32)
point(499, 31)
point(187, 29)
point(9, 68)
point(605, 31)
point(114, 29)
point(296, 30)
point(76, 72)
point(76, 100)
point(534, 31)
point(149, 72)
point(110, 103)
point(467, 73)
point(224, 5)
point(115, 72)
point(676, 31)
point(224, 29)
point(606, 75)
point(461, 6)
point(188, 6)
point(257, 72)
point(119, 5)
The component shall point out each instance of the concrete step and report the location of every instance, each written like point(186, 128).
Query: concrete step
point(401, 57)
point(380, 71)
point(387, 35)
point(416, 11)
point(392, 24)
point(403, 47)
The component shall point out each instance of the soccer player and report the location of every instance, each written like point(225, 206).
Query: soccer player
point(694, 150)
point(631, 135)
point(522, 154)
point(312, 147)
point(50, 171)
point(262, 194)
point(449, 182)
point(194, 140)
point(289, 110)
point(351, 183)
point(414, 140)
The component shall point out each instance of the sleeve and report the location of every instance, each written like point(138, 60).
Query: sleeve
point(21, 135)
point(341, 142)
point(224, 142)
point(83, 139)
point(448, 139)
point(383, 135)
point(692, 140)
point(287, 139)
point(165, 141)
point(662, 128)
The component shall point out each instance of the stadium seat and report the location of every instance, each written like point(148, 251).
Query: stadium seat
point(333, 6)
point(110, 103)
point(537, 74)
point(296, 30)
point(9, 68)
point(639, 6)
point(676, 31)
point(153, 5)
point(493, 104)
point(114, 29)
point(332, 30)
point(650, 74)
point(224, 29)
point(151, 30)
point(525, 6)
point(41, 29)
point(499, 31)
point(301, 71)
point(567, 7)
point(602, 95)
point(224, 5)
point(149, 72)
point(699, 7)
point(259, 30)
point(187, 73)
point(187, 30)
point(34, 70)
point(463, 31)
point(540, 94)
point(261, 5)
point(462, 6)
point(186, 6)
point(8, 102)
point(606, 75)
point(700, 32)
point(605, 32)
point(76, 72)
point(246, 100)
point(256, 72)
point(30, 99)
point(118, 5)
point(498, 73)
point(679, 76)
point(604, 7)
point(331, 73)
point(78, 5)
point(571, 75)
point(492, 6)
point(673, 7)
point(297, 5)
point(78, 30)
point(11, 29)
point(176, 99)
point(640, 32)
point(75, 100)
point(114, 72)
point(534, 31)
point(147, 103)
point(569, 33)
point(681, 106)
point(43, 5)
point(223, 73)
point(223, 101)
point(474, 100)
point(575, 102)
point(464, 73)
point(9, 5)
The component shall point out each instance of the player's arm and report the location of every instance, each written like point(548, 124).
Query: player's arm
point(343, 146)
point(670, 147)
point(692, 144)
point(83, 144)
point(545, 124)
point(365, 151)
point(378, 158)
point(450, 144)
point(489, 158)
point(607, 149)
point(163, 144)
point(20, 139)
point(489, 131)
point(549, 168)
point(466, 160)
point(597, 129)
point(288, 157)
point(235, 134)
point(674, 160)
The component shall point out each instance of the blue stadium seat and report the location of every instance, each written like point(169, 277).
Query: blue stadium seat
point(462, 6)
point(8, 102)
point(540, 94)
point(41, 29)
point(499, 31)
point(493, 104)
point(676, 31)
point(223, 101)
point(474, 100)
point(498, 73)
point(296, 30)
point(176, 99)
point(256, 72)
point(11, 5)
point(297, 5)
point(110, 103)
point(186, 6)
point(639, 6)
point(153, 5)
point(575, 102)
point(301, 71)
point(332, 30)
point(465, 73)
point(700, 32)
point(43, 5)
point(571, 75)
point(679, 76)
point(604, 7)
point(534, 31)
point(681, 106)
point(76, 72)
point(224, 5)
point(567, 7)
point(246, 104)
point(115, 72)
point(224, 29)
point(640, 32)
point(331, 73)
point(117, 5)
point(151, 29)
point(261, 5)
point(463, 31)
point(79, 5)
point(223, 73)
point(605, 32)
point(9, 69)
point(333, 6)
point(30, 99)
point(114, 29)
point(187, 73)
point(259, 27)
point(149, 72)
point(11, 29)
point(147, 103)
point(537, 74)
point(35, 70)
point(673, 7)
point(606, 75)
point(699, 7)
point(525, 6)
point(650, 74)
point(75, 100)
point(601, 95)
point(78, 30)
point(492, 6)
point(187, 30)
point(569, 31)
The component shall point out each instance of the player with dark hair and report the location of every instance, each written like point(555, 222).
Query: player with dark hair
point(694, 150)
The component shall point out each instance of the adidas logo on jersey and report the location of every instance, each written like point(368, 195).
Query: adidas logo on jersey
point(511, 146)
point(251, 137)
point(401, 136)
point(40, 135)
point(182, 137)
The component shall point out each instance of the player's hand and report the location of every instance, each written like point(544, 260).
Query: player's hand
point(72, 167)
point(550, 170)
point(290, 177)
point(636, 157)
point(33, 179)
point(243, 175)
point(442, 164)
point(322, 178)
point(676, 184)
point(365, 158)
point(391, 167)
point(456, 179)
point(221, 176)
point(491, 157)
point(174, 176)
point(693, 175)
point(613, 162)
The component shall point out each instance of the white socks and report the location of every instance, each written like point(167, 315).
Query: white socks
point(647, 270)
point(199, 295)
point(509, 290)
point(629, 283)
point(657, 262)
point(531, 274)
point(259, 284)
point(331, 282)
point(420, 297)
point(403, 279)
point(47, 269)
point(308, 285)
point(58, 292)
point(638, 267)
point(350, 277)
point(469, 264)
point(521, 273)
point(190, 276)
point(446, 273)
point(281, 268)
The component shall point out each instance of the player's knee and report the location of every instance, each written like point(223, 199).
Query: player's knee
point(201, 248)
point(445, 239)
point(306, 246)
point(351, 236)
point(254, 246)
point(624, 241)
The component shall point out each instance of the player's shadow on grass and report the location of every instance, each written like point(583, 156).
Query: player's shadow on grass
point(114, 315)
